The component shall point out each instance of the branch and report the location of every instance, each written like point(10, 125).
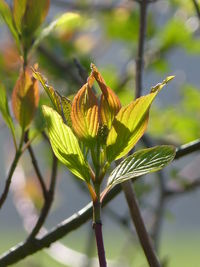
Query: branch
point(127, 186)
point(140, 226)
point(196, 6)
point(9, 178)
point(31, 246)
point(66, 68)
point(25, 249)
point(140, 53)
point(18, 154)
point(48, 200)
point(187, 149)
point(184, 189)
point(36, 167)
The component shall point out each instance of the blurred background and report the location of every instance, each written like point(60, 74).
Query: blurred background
point(106, 33)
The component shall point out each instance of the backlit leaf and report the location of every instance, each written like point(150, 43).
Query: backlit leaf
point(6, 14)
point(65, 145)
point(61, 103)
point(5, 110)
point(109, 103)
point(84, 114)
point(25, 98)
point(35, 13)
point(142, 162)
point(130, 124)
point(19, 8)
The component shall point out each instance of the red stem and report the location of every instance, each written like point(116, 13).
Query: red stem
point(100, 246)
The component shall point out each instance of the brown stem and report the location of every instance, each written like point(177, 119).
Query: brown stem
point(100, 246)
point(36, 167)
point(139, 226)
point(97, 226)
point(11, 171)
point(196, 6)
point(127, 186)
point(140, 53)
point(48, 201)
point(8, 180)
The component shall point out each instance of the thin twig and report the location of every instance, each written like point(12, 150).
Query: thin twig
point(197, 8)
point(36, 167)
point(141, 43)
point(18, 154)
point(127, 186)
point(187, 149)
point(190, 186)
point(9, 178)
point(159, 212)
point(66, 68)
point(48, 201)
point(140, 226)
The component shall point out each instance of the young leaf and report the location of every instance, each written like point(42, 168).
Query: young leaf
point(30, 14)
point(109, 103)
point(142, 162)
point(19, 8)
point(61, 103)
point(25, 98)
point(5, 110)
point(6, 14)
point(130, 124)
point(65, 144)
point(84, 115)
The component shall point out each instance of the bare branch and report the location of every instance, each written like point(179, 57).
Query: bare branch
point(186, 188)
point(9, 178)
point(140, 226)
point(187, 149)
point(140, 53)
point(18, 154)
point(48, 200)
point(197, 8)
point(36, 167)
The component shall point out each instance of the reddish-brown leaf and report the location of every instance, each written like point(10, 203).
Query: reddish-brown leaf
point(25, 98)
point(84, 114)
point(109, 103)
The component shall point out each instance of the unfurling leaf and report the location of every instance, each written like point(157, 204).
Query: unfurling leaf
point(109, 103)
point(29, 14)
point(61, 103)
point(5, 110)
point(142, 162)
point(130, 124)
point(6, 14)
point(25, 98)
point(65, 145)
point(84, 114)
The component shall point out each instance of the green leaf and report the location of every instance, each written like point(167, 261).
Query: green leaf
point(130, 124)
point(19, 8)
point(65, 145)
point(5, 110)
point(142, 162)
point(35, 13)
point(67, 20)
point(61, 103)
point(6, 14)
